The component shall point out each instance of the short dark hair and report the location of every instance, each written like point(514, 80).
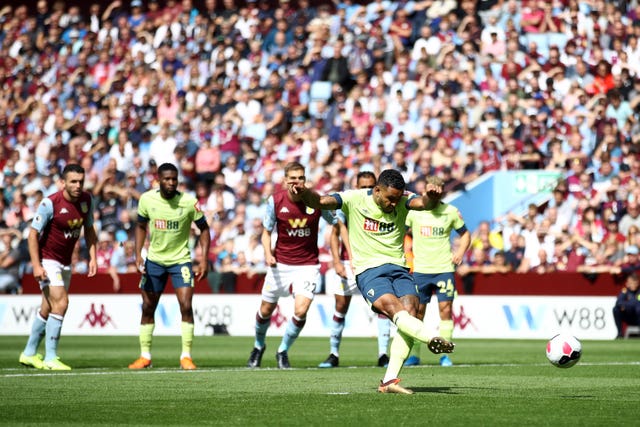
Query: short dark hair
point(366, 174)
point(392, 178)
point(293, 166)
point(72, 167)
point(167, 167)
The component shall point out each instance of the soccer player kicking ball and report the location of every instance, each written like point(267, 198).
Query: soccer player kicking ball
point(55, 229)
point(168, 214)
point(345, 286)
point(434, 263)
point(294, 268)
point(376, 232)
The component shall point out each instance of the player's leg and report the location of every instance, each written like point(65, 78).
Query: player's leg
point(272, 289)
point(337, 327)
point(57, 296)
point(398, 352)
point(304, 283)
point(30, 356)
point(390, 290)
point(414, 355)
point(446, 293)
point(294, 326)
point(183, 281)
point(263, 320)
point(343, 289)
point(446, 327)
point(152, 285)
point(384, 333)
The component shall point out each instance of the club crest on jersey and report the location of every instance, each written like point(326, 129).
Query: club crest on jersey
point(84, 207)
point(309, 211)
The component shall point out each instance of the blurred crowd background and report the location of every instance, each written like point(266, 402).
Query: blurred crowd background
point(230, 91)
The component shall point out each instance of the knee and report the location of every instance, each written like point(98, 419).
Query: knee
point(341, 307)
point(148, 310)
point(301, 312)
point(186, 308)
point(445, 313)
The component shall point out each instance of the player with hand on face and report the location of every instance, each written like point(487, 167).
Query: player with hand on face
point(376, 232)
point(55, 229)
point(168, 214)
point(434, 263)
point(346, 285)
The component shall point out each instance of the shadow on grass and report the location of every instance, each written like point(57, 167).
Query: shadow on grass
point(446, 390)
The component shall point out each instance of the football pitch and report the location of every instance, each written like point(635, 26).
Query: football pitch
point(492, 383)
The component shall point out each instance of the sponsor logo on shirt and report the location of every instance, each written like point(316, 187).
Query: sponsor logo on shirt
point(430, 231)
point(376, 226)
point(163, 224)
point(75, 223)
point(298, 228)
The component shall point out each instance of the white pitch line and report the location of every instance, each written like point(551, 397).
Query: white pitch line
point(154, 371)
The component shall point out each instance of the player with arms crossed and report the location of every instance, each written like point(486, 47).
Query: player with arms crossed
point(168, 214)
point(294, 267)
point(345, 285)
point(376, 232)
point(434, 263)
point(55, 229)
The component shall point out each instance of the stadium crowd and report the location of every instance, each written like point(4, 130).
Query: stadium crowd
point(231, 91)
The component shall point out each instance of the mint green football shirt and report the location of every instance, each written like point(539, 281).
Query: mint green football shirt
point(376, 237)
point(169, 225)
point(431, 238)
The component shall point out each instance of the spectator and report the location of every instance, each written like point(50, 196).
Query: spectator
point(630, 218)
point(627, 308)
point(11, 258)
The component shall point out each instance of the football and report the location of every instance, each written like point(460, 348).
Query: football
point(564, 350)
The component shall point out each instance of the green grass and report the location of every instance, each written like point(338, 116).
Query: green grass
point(493, 383)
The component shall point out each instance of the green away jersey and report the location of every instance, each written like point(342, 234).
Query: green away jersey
point(376, 237)
point(169, 225)
point(431, 238)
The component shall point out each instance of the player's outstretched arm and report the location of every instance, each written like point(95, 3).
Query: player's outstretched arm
point(313, 199)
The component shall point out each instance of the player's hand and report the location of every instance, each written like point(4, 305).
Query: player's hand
point(93, 268)
point(271, 261)
point(340, 270)
point(297, 188)
point(434, 191)
point(39, 274)
point(201, 271)
point(456, 259)
point(141, 267)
